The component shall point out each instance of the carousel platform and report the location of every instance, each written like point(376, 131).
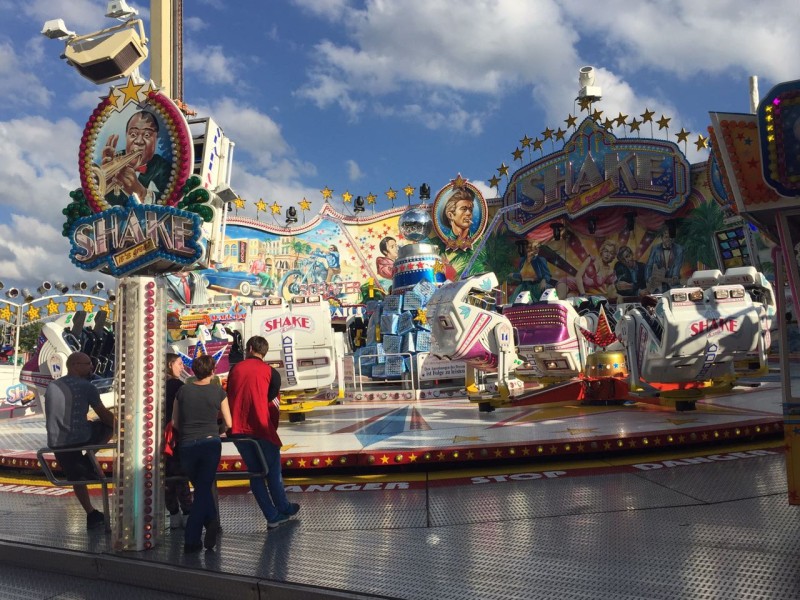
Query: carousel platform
point(396, 433)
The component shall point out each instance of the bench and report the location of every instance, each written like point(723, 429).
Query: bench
point(104, 481)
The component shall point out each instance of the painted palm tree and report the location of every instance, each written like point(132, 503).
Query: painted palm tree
point(696, 234)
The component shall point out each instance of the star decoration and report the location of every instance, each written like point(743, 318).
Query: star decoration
point(494, 181)
point(503, 169)
point(602, 335)
point(409, 190)
point(547, 133)
point(106, 309)
point(571, 121)
point(304, 204)
point(634, 125)
point(88, 306)
point(608, 124)
point(5, 314)
point(70, 305)
point(327, 193)
point(517, 154)
point(32, 313)
point(391, 194)
point(526, 142)
point(537, 144)
point(647, 115)
point(52, 307)
point(560, 134)
point(130, 93)
point(347, 197)
point(682, 135)
point(459, 181)
point(702, 142)
point(621, 119)
point(585, 103)
point(371, 198)
point(596, 115)
point(422, 316)
point(239, 202)
point(276, 208)
point(261, 205)
point(663, 122)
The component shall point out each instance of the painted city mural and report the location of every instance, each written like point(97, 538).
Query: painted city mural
point(618, 218)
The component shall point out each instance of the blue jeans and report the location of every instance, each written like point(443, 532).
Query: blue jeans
point(200, 459)
point(275, 501)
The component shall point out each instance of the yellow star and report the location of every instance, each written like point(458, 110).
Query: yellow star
point(494, 181)
point(682, 135)
point(302, 462)
point(52, 307)
point(412, 457)
point(634, 125)
point(70, 305)
point(560, 134)
point(663, 122)
point(88, 306)
point(130, 93)
point(517, 154)
point(385, 459)
point(347, 197)
point(422, 316)
point(5, 314)
point(304, 204)
point(276, 208)
point(621, 119)
point(537, 144)
point(261, 205)
point(438, 267)
point(608, 124)
point(585, 103)
point(409, 190)
point(647, 115)
point(391, 194)
point(329, 461)
point(702, 142)
point(503, 169)
point(371, 198)
point(526, 142)
point(239, 202)
point(327, 193)
point(106, 309)
point(32, 313)
point(597, 114)
point(547, 133)
point(571, 121)
point(459, 181)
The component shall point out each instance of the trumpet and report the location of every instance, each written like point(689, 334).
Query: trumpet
point(104, 173)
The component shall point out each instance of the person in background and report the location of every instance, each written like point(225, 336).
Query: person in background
point(67, 401)
point(197, 407)
point(384, 265)
point(630, 274)
point(254, 393)
point(177, 494)
point(458, 211)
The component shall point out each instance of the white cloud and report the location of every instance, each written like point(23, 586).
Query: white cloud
point(210, 64)
point(19, 87)
point(194, 23)
point(354, 172)
point(82, 16)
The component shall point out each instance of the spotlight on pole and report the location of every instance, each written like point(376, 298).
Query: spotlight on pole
point(27, 295)
point(112, 295)
point(98, 287)
point(592, 225)
point(81, 286)
point(2, 285)
point(291, 215)
point(45, 287)
point(12, 292)
point(424, 192)
point(61, 287)
point(557, 229)
point(358, 206)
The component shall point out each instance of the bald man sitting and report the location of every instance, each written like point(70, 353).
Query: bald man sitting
point(66, 405)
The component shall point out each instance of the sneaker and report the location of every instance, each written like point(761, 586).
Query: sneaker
point(95, 519)
point(176, 521)
point(277, 521)
point(212, 530)
point(294, 508)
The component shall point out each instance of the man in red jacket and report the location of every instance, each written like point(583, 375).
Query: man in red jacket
point(254, 399)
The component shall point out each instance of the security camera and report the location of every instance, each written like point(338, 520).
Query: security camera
point(55, 29)
point(61, 287)
point(98, 287)
point(120, 10)
point(45, 287)
point(12, 292)
point(81, 286)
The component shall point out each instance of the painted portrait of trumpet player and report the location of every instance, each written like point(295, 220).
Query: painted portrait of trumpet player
point(132, 162)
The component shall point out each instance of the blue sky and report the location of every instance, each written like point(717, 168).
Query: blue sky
point(363, 96)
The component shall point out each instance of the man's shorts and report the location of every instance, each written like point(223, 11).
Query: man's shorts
point(77, 465)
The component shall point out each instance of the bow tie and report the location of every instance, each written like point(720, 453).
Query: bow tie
point(141, 169)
